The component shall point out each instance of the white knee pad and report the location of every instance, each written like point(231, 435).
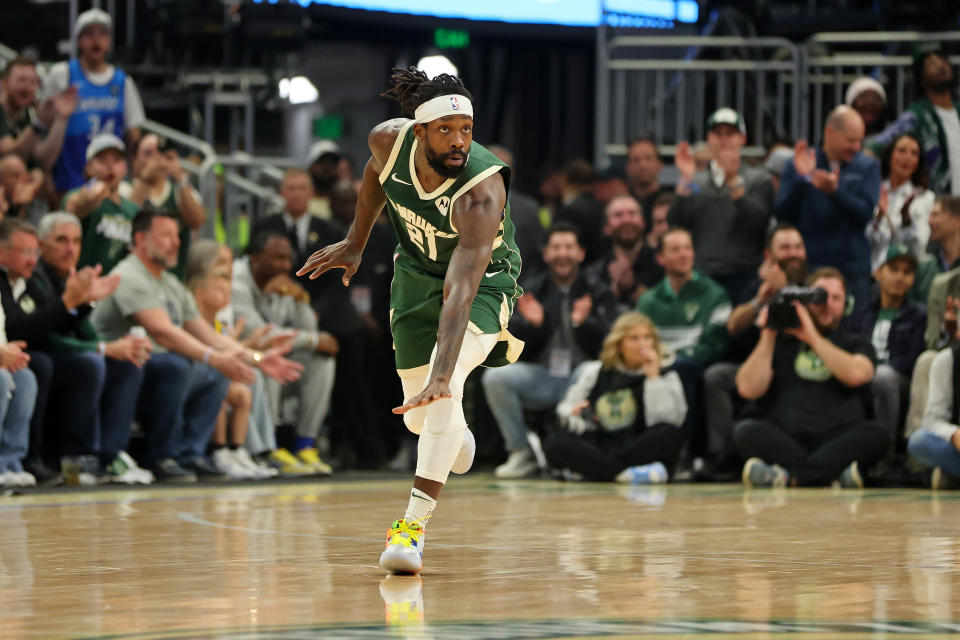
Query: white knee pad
point(415, 418)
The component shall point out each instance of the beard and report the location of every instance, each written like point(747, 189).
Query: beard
point(942, 86)
point(437, 162)
point(795, 269)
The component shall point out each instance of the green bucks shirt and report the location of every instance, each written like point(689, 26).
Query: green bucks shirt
point(106, 233)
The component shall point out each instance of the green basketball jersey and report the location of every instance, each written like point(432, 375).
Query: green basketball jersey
point(427, 239)
point(422, 220)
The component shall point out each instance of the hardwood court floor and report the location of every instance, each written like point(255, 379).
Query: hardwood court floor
point(531, 559)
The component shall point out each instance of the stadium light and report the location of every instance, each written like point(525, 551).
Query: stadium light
point(299, 90)
point(435, 65)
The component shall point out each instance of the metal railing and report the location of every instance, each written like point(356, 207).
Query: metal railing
point(833, 60)
point(667, 86)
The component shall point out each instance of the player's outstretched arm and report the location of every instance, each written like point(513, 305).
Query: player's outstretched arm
point(347, 253)
point(476, 216)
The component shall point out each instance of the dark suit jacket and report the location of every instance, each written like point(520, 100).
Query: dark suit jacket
point(328, 297)
point(38, 312)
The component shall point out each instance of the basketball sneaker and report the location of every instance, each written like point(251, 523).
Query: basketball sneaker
point(757, 473)
point(520, 464)
point(310, 457)
point(403, 552)
point(653, 473)
point(287, 464)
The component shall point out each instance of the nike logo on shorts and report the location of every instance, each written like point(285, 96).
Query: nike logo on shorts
point(490, 275)
point(396, 179)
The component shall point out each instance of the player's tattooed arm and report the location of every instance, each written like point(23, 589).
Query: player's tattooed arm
point(347, 253)
point(476, 216)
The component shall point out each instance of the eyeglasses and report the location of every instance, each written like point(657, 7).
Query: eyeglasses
point(26, 252)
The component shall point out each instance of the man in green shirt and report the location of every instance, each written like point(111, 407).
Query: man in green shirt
point(104, 213)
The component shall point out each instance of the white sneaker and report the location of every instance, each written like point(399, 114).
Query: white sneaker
point(520, 464)
point(404, 549)
point(465, 458)
point(226, 464)
point(244, 461)
point(125, 470)
point(19, 479)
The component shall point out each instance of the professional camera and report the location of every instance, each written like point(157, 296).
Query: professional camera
point(782, 315)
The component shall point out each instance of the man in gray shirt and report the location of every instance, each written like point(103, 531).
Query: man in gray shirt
point(264, 293)
point(186, 378)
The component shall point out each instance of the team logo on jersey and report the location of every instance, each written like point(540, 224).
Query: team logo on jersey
point(454, 103)
point(690, 310)
point(443, 204)
point(115, 90)
point(809, 366)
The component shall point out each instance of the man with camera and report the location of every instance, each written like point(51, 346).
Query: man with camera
point(808, 377)
point(784, 263)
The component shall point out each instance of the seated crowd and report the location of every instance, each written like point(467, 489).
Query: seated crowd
point(792, 323)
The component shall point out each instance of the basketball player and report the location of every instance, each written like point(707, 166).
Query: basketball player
point(455, 277)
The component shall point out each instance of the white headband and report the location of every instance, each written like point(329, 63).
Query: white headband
point(448, 105)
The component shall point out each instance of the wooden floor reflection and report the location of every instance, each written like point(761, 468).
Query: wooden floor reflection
point(531, 559)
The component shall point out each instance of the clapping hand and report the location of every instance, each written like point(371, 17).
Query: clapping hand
point(804, 158)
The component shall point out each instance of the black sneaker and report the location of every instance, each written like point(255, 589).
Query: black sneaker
point(46, 477)
point(168, 470)
point(204, 469)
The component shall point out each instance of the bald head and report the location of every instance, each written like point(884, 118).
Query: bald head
point(843, 135)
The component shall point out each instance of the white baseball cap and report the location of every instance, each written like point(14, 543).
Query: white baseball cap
point(91, 17)
point(103, 142)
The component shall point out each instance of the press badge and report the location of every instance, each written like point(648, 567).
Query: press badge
point(561, 361)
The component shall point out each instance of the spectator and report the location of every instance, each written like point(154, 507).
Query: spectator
point(18, 393)
point(933, 118)
point(785, 262)
point(903, 210)
point(580, 209)
point(209, 259)
point(264, 293)
point(33, 132)
point(525, 213)
point(895, 326)
point(86, 368)
point(777, 160)
point(211, 292)
point(186, 381)
point(813, 425)
point(658, 218)
point(630, 267)
point(643, 174)
point(105, 214)
point(33, 314)
point(352, 410)
point(690, 312)
point(937, 443)
point(623, 413)
point(945, 240)
point(689, 309)
point(562, 317)
point(20, 190)
point(867, 97)
point(323, 169)
point(160, 181)
point(109, 101)
point(726, 208)
point(830, 194)
point(610, 184)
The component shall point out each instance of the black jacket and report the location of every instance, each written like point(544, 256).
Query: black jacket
point(328, 297)
point(38, 312)
point(589, 335)
point(905, 341)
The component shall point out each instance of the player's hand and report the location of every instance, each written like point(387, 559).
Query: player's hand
point(342, 255)
point(435, 391)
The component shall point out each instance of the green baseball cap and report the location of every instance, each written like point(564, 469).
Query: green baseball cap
point(899, 250)
point(726, 115)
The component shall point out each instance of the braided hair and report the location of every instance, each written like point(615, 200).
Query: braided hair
point(411, 88)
